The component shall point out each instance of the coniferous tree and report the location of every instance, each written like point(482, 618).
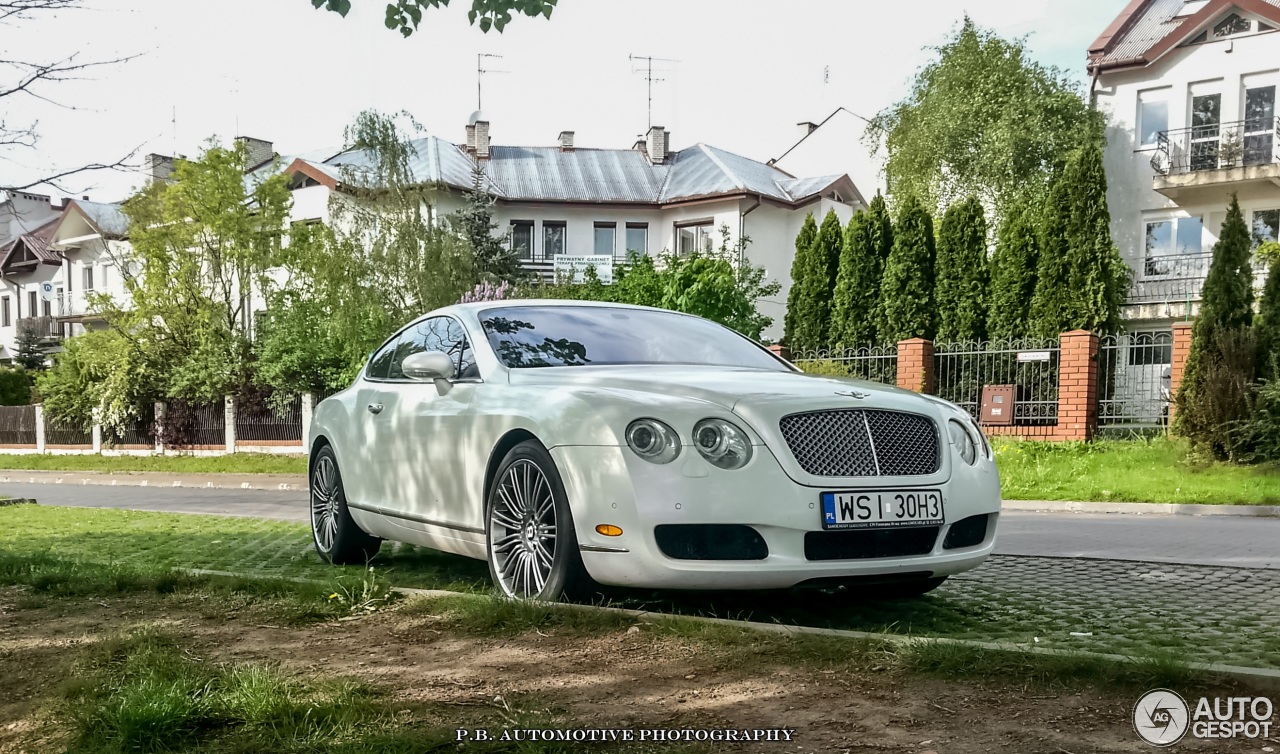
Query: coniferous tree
point(494, 260)
point(1013, 275)
point(906, 291)
point(29, 348)
point(799, 263)
point(867, 242)
point(961, 291)
point(1204, 411)
point(1267, 323)
point(1081, 280)
point(817, 283)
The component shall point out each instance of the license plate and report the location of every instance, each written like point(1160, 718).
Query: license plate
point(867, 509)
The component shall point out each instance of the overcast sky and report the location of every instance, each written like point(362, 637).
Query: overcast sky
point(748, 71)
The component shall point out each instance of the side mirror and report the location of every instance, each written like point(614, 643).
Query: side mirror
point(428, 366)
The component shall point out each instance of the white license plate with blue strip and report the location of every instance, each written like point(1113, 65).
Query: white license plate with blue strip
point(868, 509)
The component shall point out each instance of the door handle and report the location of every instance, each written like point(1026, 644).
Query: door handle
point(375, 408)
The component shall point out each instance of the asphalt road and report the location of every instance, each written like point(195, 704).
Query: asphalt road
point(1199, 540)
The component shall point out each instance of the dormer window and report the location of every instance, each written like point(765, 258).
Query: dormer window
point(1231, 25)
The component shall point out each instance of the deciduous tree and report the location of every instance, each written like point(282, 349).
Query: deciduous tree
point(405, 15)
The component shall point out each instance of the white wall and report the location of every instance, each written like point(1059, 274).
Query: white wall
point(837, 148)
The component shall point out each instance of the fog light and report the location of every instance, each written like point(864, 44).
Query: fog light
point(609, 530)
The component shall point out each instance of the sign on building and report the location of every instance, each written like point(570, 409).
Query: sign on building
point(576, 266)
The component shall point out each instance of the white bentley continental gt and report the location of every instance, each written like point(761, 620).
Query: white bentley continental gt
point(572, 444)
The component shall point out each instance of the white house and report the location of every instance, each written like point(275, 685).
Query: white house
point(1189, 88)
point(570, 201)
point(836, 144)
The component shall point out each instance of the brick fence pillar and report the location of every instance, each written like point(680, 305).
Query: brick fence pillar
point(1077, 386)
point(915, 365)
point(781, 352)
point(1178, 365)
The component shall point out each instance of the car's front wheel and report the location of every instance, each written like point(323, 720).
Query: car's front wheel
point(337, 537)
point(533, 549)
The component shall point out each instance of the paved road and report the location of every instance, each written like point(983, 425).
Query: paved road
point(1204, 540)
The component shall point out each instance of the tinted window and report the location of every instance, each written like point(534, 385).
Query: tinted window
point(545, 336)
point(381, 362)
point(436, 334)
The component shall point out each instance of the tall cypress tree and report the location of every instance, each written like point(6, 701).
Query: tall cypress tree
point(1226, 313)
point(1267, 323)
point(817, 283)
point(1081, 279)
point(961, 292)
point(852, 322)
point(906, 307)
point(1013, 274)
point(799, 263)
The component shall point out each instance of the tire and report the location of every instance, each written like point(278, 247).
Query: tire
point(336, 536)
point(531, 544)
point(902, 590)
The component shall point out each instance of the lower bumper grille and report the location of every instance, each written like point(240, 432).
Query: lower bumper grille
point(710, 542)
point(967, 532)
point(862, 544)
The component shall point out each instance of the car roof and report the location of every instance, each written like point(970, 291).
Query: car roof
point(477, 306)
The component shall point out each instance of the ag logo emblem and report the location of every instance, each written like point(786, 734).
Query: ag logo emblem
point(1161, 717)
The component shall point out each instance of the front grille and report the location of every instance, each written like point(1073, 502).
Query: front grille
point(862, 442)
point(870, 543)
point(710, 542)
point(968, 532)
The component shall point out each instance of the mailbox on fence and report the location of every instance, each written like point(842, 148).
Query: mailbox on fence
point(997, 404)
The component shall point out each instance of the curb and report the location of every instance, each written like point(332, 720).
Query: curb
point(269, 482)
point(1258, 678)
point(1139, 509)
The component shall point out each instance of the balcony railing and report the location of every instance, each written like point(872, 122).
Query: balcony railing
point(1218, 146)
point(1177, 278)
point(48, 328)
point(75, 304)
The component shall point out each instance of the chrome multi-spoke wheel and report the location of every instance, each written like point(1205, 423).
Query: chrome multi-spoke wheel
point(522, 530)
point(324, 502)
point(533, 549)
point(338, 538)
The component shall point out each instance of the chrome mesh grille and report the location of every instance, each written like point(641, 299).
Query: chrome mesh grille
point(862, 442)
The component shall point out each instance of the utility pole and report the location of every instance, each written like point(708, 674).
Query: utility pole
point(480, 72)
point(646, 68)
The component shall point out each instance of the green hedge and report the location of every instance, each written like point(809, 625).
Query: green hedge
point(15, 387)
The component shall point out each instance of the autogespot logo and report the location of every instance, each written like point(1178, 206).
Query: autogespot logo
point(1161, 717)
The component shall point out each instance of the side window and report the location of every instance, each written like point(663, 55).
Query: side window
point(466, 358)
point(380, 364)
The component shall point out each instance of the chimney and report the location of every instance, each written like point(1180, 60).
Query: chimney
point(482, 139)
point(566, 141)
point(257, 151)
point(471, 137)
point(656, 144)
point(807, 128)
point(158, 167)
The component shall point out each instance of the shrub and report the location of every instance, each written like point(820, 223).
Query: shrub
point(1212, 409)
point(15, 387)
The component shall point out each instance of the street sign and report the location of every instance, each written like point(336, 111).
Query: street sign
point(1024, 356)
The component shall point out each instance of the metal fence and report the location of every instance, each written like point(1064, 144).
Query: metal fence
point(961, 370)
point(192, 426)
point(140, 434)
point(1134, 371)
point(65, 435)
point(877, 364)
point(18, 425)
point(258, 422)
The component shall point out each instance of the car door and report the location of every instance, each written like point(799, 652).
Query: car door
point(376, 397)
point(433, 465)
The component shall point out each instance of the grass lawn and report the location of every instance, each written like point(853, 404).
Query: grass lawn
point(236, 463)
point(1146, 471)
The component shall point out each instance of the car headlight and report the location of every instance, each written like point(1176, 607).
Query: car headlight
point(722, 443)
point(982, 437)
point(653, 441)
point(963, 441)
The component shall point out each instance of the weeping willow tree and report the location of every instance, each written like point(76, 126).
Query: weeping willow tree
point(381, 260)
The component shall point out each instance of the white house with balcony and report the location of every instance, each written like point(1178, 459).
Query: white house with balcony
point(567, 202)
point(1189, 88)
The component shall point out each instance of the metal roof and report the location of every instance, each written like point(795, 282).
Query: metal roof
point(626, 176)
point(1150, 25)
point(108, 219)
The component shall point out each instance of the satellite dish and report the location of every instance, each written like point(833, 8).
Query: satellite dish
point(47, 291)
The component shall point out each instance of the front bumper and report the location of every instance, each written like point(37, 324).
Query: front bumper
point(610, 485)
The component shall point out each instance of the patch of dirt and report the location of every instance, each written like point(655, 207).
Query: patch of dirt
point(620, 680)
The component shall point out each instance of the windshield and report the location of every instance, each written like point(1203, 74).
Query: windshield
point(559, 336)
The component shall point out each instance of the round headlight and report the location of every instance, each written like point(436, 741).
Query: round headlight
point(963, 441)
point(653, 441)
point(722, 443)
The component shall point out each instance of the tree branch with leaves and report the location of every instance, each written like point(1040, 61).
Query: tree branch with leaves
point(405, 15)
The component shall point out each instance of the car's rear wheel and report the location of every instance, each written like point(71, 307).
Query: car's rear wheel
point(337, 537)
point(532, 545)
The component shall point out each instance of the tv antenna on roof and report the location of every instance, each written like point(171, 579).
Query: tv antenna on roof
point(480, 72)
point(646, 68)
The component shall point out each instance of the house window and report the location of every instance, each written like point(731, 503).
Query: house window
point(694, 239)
point(552, 239)
point(46, 308)
point(606, 240)
point(1173, 246)
point(1206, 120)
point(1266, 225)
point(1153, 116)
point(1259, 124)
point(5, 320)
point(638, 238)
point(31, 303)
point(88, 279)
point(1232, 24)
point(522, 238)
point(1150, 347)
